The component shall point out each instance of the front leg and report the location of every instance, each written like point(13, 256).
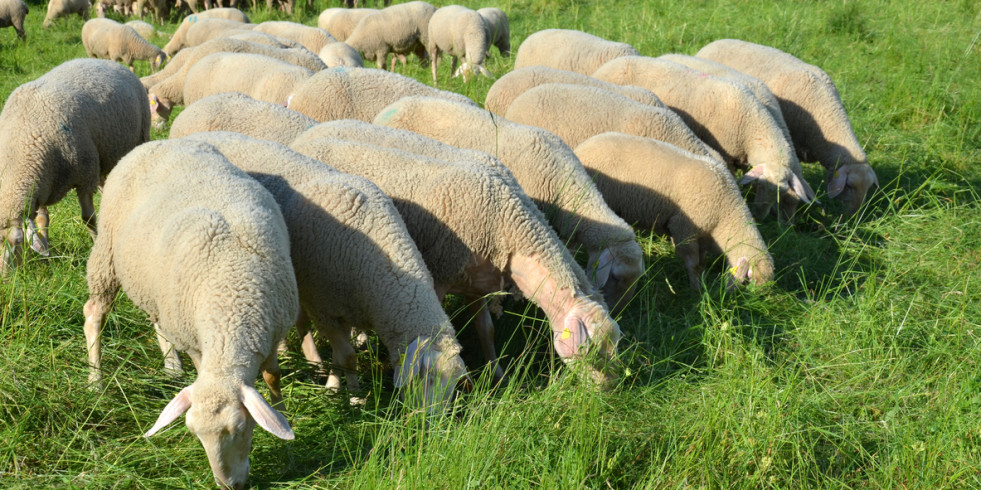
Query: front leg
point(484, 325)
point(172, 361)
point(88, 211)
point(273, 376)
point(95, 311)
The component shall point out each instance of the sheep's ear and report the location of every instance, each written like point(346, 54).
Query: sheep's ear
point(266, 416)
point(174, 409)
point(570, 337)
point(415, 358)
point(753, 174)
point(837, 183)
point(602, 268)
point(37, 241)
point(798, 185)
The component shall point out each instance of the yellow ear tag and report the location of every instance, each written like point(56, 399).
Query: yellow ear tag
point(836, 174)
point(566, 334)
point(733, 270)
point(153, 103)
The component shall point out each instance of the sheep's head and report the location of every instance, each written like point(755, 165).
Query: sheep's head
point(757, 269)
point(850, 183)
point(615, 271)
point(159, 111)
point(429, 372)
point(12, 241)
point(587, 340)
point(223, 418)
point(777, 182)
point(159, 60)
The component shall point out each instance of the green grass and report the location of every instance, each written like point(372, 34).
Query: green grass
point(858, 367)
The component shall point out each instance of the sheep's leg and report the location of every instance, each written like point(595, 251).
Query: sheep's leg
point(345, 359)
point(42, 220)
point(273, 375)
point(688, 251)
point(307, 343)
point(477, 307)
point(172, 361)
point(95, 310)
point(434, 58)
point(88, 211)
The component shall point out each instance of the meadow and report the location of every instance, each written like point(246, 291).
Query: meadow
point(857, 367)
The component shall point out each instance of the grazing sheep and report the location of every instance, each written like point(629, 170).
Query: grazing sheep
point(340, 54)
point(357, 93)
point(460, 33)
point(312, 38)
point(814, 113)
point(549, 172)
point(66, 130)
point(12, 13)
point(356, 266)
point(160, 8)
point(234, 111)
point(144, 29)
point(121, 7)
point(569, 50)
point(166, 92)
point(64, 8)
point(511, 85)
point(203, 250)
point(108, 39)
point(179, 40)
point(400, 29)
point(202, 25)
point(478, 233)
point(729, 118)
point(667, 190)
point(258, 76)
point(498, 28)
point(340, 22)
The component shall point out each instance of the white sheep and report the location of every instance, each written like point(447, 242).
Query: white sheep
point(478, 232)
point(12, 14)
point(549, 172)
point(66, 130)
point(460, 33)
point(662, 188)
point(340, 54)
point(64, 8)
point(144, 29)
point(203, 250)
point(255, 75)
point(814, 113)
point(159, 8)
point(357, 93)
point(340, 22)
point(108, 39)
point(400, 29)
point(729, 118)
point(565, 49)
point(356, 266)
point(235, 111)
point(312, 38)
point(515, 83)
point(180, 39)
point(498, 28)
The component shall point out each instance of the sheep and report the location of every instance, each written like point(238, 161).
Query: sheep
point(728, 117)
point(498, 28)
point(815, 115)
point(179, 40)
point(667, 190)
point(312, 38)
point(144, 29)
point(66, 130)
point(160, 8)
point(165, 93)
point(64, 8)
point(477, 233)
point(203, 250)
point(357, 93)
point(340, 54)
point(549, 172)
point(340, 22)
point(596, 111)
point(234, 111)
point(515, 83)
point(400, 29)
point(460, 33)
point(12, 13)
point(108, 39)
point(356, 266)
point(570, 50)
point(255, 75)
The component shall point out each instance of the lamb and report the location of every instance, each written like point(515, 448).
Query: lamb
point(312, 38)
point(503, 92)
point(357, 93)
point(144, 29)
point(569, 50)
point(167, 92)
point(728, 117)
point(255, 75)
point(12, 13)
point(66, 130)
point(549, 172)
point(64, 8)
point(477, 233)
point(180, 39)
point(460, 33)
point(596, 111)
point(400, 29)
point(340, 54)
point(498, 28)
point(234, 111)
point(814, 113)
point(667, 190)
point(384, 285)
point(108, 39)
point(340, 22)
point(203, 250)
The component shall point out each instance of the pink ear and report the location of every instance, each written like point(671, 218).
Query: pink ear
point(267, 417)
point(602, 268)
point(798, 186)
point(753, 174)
point(837, 184)
point(570, 337)
point(38, 242)
point(411, 364)
point(174, 409)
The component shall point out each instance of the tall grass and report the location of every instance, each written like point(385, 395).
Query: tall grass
point(858, 366)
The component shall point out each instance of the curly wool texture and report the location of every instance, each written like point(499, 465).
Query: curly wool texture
point(511, 85)
point(12, 14)
point(461, 33)
point(312, 38)
point(400, 29)
point(66, 130)
point(235, 111)
point(340, 54)
point(258, 76)
point(498, 27)
point(64, 8)
point(340, 22)
point(144, 29)
point(570, 50)
point(358, 93)
point(179, 40)
point(108, 39)
point(663, 188)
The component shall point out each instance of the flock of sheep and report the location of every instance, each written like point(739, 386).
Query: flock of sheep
point(298, 187)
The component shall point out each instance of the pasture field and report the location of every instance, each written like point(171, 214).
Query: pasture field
point(860, 366)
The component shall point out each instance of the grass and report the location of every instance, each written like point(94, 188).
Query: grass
point(858, 367)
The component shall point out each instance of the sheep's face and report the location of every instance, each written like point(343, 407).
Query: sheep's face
point(159, 111)
point(850, 183)
point(587, 340)
point(13, 248)
point(429, 373)
point(615, 271)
